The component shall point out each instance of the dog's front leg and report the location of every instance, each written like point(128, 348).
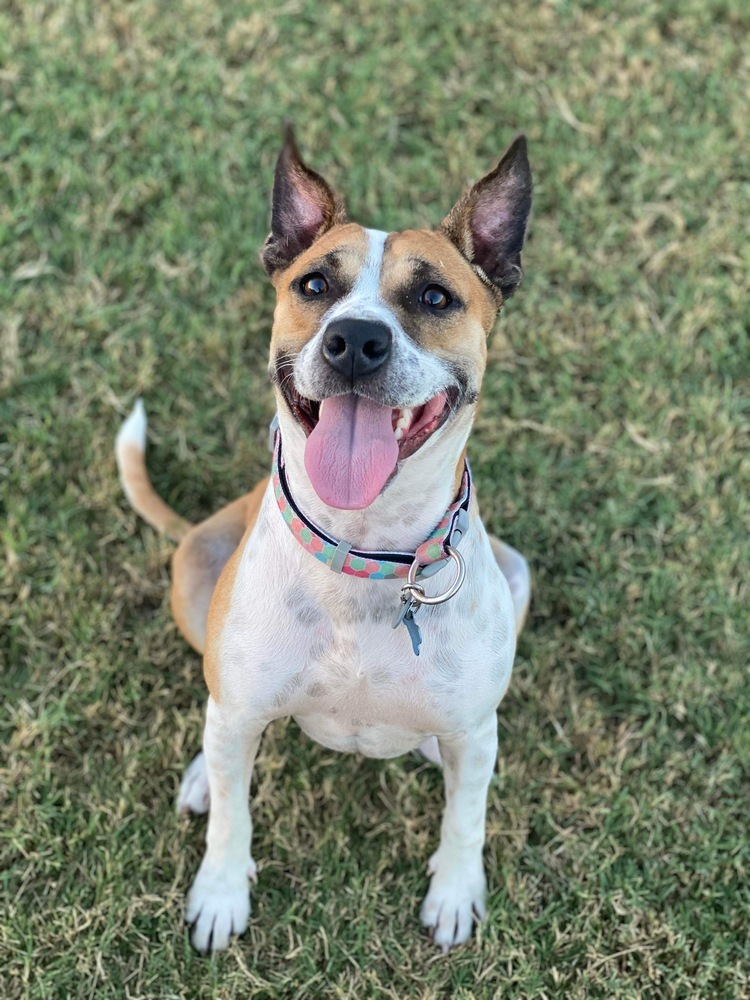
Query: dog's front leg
point(218, 903)
point(457, 887)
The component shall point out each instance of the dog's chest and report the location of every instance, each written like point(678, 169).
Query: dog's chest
point(363, 689)
point(303, 642)
point(356, 685)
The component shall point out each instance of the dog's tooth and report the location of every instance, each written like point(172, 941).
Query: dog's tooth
point(399, 432)
point(404, 420)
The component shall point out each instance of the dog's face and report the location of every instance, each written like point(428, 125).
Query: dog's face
point(379, 339)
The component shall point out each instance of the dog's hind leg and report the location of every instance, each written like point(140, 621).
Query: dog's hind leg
point(201, 556)
point(194, 798)
point(516, 571)
point(430, 750)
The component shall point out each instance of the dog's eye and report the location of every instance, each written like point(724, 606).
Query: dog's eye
point(313, 284)
point(435, 297)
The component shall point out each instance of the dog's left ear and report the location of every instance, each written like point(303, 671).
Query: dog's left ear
point(488, 223)
point(304, 207)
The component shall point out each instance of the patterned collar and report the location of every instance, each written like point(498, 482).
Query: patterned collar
point(341, 557)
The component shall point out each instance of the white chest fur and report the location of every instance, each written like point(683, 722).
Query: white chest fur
point(299, 640)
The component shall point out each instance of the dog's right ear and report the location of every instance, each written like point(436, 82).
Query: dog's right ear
point(488, 224)
point(304, 207)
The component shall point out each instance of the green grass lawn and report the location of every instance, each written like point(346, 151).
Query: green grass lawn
point(137, 142)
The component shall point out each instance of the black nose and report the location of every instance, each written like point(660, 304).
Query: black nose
point(356, 347)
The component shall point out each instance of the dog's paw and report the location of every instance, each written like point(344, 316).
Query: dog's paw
point(193, 798)
point(218, 908)
point(454, 902)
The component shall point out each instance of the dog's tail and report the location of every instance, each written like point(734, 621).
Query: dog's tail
point(130, 451)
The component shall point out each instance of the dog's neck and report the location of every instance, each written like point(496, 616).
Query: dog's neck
point(410, 506)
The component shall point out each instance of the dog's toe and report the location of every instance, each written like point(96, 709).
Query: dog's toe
point(217, 908)
point(455, 901)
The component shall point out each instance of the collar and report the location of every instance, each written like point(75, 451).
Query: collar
point(341, 557)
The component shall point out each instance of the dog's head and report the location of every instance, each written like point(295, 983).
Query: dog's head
point(379, 339)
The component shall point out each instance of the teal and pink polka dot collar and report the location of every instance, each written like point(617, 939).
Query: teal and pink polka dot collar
point(343, 558)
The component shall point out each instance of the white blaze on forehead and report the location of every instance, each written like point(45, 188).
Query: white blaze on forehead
point(364, 300)
point(374, 264)
point(366, 290)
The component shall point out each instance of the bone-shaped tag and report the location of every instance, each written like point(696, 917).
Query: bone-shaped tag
point(406, 617)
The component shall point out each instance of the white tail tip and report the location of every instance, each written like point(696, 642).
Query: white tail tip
point(133, 429)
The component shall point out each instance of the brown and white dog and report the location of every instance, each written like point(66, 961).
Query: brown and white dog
point(377, 357)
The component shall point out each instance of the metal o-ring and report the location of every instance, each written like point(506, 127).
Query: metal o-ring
point(412, 586)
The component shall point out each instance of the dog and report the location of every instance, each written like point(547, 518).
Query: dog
point(356, 589)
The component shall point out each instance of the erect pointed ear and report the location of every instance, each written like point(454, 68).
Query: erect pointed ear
point(488, 223)
point(304, 206)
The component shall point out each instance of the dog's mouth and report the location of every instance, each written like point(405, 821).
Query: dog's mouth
point(354, 443)
point(411, 426)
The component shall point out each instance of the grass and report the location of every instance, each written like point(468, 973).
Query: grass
point(136, 153)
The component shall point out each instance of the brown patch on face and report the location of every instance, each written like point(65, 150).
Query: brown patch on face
point(339, 256)
point(412, 261)
point(458, 475)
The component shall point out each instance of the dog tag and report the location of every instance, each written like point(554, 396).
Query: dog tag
point(406, 617)
point(413, 629)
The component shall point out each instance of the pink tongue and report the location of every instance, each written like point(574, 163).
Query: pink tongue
point(351, 452)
